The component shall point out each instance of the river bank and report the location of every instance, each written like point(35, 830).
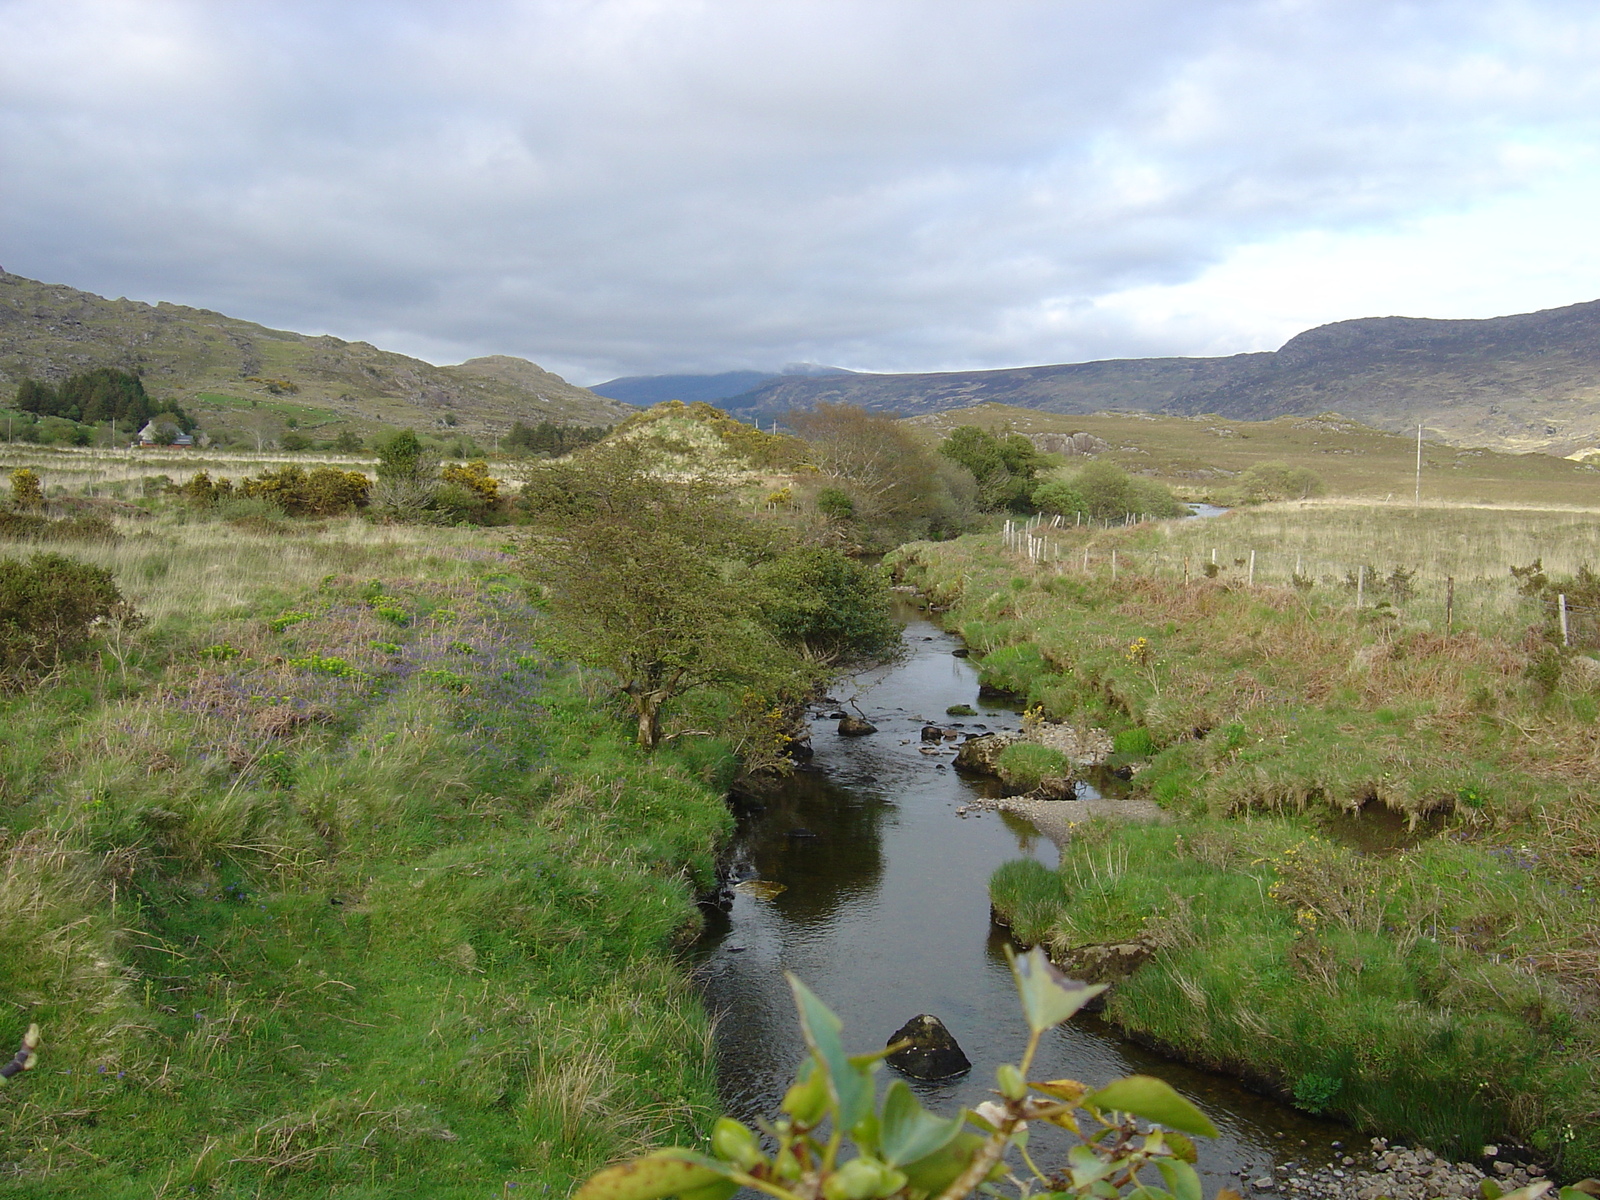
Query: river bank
point(1437, 992)
point(860, 874)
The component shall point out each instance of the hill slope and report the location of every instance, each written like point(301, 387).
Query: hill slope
point(213, 363)
point(1522, 383)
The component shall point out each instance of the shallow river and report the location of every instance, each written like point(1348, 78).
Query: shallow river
point(885, 914)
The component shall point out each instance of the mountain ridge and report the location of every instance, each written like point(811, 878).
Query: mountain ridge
point(1524, 382)
point(49, 331)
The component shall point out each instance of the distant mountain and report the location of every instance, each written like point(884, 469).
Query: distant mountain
point(1529, 382)
point(219, 365)
point(645, 390)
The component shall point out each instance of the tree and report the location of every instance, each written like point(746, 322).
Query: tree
point(1111, 493)
point(829, 607)
point(648, 579)
point(1004, 467)
point(894, 483)
point(1279, 481)
point(407, 475)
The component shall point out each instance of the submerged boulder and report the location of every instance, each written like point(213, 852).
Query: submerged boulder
point(933, 1053)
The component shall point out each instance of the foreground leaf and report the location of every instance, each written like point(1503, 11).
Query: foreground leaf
point(664, 1173)
point(849, 1086)
point(1048, 996)
point(907, 1131)
point(1154, 1100)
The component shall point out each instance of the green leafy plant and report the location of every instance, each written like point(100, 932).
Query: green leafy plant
point(283, 620)
point(1314, 1092)
point(835, 1141)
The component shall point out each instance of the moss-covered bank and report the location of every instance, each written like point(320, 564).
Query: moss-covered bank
point(1443, 991)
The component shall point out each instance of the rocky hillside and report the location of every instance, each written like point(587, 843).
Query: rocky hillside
point(214, 364)
point(1521, 383)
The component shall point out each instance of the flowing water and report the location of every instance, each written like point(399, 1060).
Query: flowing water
point(884, 913)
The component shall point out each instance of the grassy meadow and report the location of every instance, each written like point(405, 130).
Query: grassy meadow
point(1374, 893)
point(1198, 456)
point(325, 879)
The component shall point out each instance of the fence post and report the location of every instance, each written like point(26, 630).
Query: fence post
point(1251, 581)
point(1561, 602)
point(1185, 570)
point(1114, 568)
point(1449, 602)
point(1361, 584)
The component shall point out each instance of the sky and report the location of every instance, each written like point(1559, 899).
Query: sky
point(624, 187)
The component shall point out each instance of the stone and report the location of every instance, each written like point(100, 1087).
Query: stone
point(979, 754)
point(856, 726)
point(1106, 962)
point(933, 1053)
point(932, 733)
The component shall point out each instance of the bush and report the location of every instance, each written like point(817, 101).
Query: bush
point(323, 492)
point(48, 607)
point(85, 527)
point(25, 490)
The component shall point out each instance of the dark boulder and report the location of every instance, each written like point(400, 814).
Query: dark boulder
point(856, 727)
point(932, 733)
point(960, 652)
point(933, 1053)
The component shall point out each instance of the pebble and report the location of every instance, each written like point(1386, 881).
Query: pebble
point(1391, 1173)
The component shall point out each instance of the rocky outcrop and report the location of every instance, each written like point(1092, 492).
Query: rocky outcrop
point(1105, 962)
point(981, 754)
point(933, 1053)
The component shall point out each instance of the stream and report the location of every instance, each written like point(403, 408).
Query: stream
point(884, 913)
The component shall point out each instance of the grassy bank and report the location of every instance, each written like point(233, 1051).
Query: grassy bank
point(328, 881)
point(1437, 984)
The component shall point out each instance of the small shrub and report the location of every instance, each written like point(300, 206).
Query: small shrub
point(836, 504)
point(1314, 1092)
point(393, 614)
point(221, 652)
point(25, 490)
point(283, 620)
point(48, 608)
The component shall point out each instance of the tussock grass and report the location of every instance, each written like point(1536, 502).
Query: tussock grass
point(328, 880)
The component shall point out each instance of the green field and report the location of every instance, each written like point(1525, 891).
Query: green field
point(1198, 456)
point(1375, 890)
point(329, 880)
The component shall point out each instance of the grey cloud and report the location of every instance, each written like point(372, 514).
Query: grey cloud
point(629, 186)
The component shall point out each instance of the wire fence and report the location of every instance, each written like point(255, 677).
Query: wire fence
point(1367, 588)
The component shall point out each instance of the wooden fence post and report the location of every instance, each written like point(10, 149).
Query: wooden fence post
point(1561, 603)
point(1361, 584)
point(1251, 581)
point(1449, 602)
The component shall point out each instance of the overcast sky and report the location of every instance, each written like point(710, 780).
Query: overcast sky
point(617, 187)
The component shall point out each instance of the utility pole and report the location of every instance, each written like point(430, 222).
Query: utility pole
point(1416, 500)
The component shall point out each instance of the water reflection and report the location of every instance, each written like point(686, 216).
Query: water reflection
point(885, 914)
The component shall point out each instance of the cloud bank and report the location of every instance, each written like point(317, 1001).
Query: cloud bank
point(637, 186)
